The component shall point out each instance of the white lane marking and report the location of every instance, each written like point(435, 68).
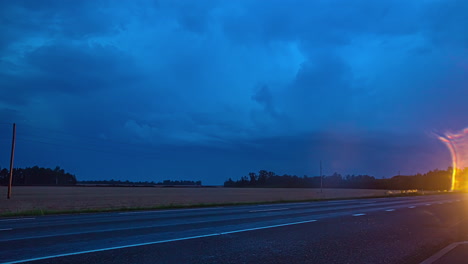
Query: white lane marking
point(6, 229)
point(412, 207)
point(428, 204)
point(157, 242)
point(266, 227)
point(143, 212)
point(301, 203)
point(444, 251)
point(390, 210)
point(84, 232)
point(17, 219)
point(173, 210)
point(268, 210)
point(341, 201)
point(358, 214)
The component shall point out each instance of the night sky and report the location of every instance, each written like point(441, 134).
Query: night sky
point(207, 90)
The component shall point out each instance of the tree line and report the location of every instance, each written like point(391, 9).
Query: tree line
point(46, 176)
point(37, 176)
point(432, 180)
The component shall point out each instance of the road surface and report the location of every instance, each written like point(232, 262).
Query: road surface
point(379, 230)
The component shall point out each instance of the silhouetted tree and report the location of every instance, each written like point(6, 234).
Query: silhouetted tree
point(38, 176)
point(432, 180)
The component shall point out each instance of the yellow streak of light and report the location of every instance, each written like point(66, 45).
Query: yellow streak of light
point(457, 143)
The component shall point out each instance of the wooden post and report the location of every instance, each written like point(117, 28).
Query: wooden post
point(11, 161)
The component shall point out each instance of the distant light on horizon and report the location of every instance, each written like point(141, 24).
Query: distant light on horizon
point(457, 144)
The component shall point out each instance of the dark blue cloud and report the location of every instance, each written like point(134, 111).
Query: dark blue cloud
point(77, 69)
point(60, 19)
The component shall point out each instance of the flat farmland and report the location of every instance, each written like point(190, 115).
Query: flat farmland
point(60, 199)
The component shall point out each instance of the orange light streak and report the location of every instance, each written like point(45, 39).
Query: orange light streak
point(457, 143)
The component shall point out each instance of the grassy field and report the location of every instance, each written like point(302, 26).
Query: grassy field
point(38, 200)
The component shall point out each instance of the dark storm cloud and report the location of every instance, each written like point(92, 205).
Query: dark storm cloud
point(193, 16)
point(320, 22)
point(446, 23)
point(53, 18)
point(263, 96)
point(68, 69)
point(241, 77)
point(77, 69)
point(322, 31)
point(323, 83)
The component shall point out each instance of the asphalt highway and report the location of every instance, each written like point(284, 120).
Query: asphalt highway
point(378, 230)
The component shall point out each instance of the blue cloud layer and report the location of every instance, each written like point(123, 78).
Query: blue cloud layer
point(219, 74)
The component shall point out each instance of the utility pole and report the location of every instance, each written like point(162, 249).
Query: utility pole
point(11, 161)
point(321, 178)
